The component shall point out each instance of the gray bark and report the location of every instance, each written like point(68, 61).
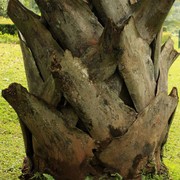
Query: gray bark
point(97, 78)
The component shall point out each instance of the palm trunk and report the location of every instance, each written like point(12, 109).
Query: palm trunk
point(97, 78)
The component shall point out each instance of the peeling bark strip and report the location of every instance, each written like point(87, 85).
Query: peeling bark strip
point(38, 38)
point(131, 152)
point(167, 57)
point(150, 17)
point(156, 50)
point(63, 145)
point(31, 69)
point(39, 48)
point(116, 10)
point(136, 66)
point(72, 23)
point(97, 107)
point(133, 1)
point(101, 60)
point(46, 90)
point(97, 76)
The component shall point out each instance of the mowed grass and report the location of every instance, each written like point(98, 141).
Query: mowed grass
point(11, 142)
point(172, 148)
point(4, 20)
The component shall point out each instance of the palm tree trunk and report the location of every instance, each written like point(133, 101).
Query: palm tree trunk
point(97, 79)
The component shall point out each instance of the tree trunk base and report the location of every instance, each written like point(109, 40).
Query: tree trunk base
point(97, 103)
point(137, 151)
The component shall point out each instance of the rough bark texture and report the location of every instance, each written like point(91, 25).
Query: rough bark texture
point(97, 79)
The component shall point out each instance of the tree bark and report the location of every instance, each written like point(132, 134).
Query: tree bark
point(97, 79)
point(67, 147)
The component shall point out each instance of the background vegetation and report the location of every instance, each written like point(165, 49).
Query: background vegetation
point(12, 70)
point(172, 22)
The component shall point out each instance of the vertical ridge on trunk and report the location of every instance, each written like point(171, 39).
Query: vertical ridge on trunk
point(167, 57)
point(156, 50)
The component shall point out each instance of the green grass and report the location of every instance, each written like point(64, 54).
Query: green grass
point(8, 38)
point(11, 142)
point(4, 20)
point(172, 148)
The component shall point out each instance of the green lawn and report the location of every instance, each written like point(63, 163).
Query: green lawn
point(4, 20)
point(172, 148)
point(11, 142)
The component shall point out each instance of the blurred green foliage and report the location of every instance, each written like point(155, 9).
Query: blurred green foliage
point(8, 29)
point(165, 36)
point(3, 7)
point(7, 38)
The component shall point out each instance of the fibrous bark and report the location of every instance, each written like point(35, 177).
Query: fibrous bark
point(117, 10)
point(143, 139)
point(151, 16)
point(97, 76)
point(167, 57)
point(136, 66)
point(72, 23)
point(94, 103)
point(61, 143)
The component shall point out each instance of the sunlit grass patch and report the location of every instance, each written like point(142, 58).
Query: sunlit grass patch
point(172, 148)
point(11, 141)
point(4, 20)
point(8, 38)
